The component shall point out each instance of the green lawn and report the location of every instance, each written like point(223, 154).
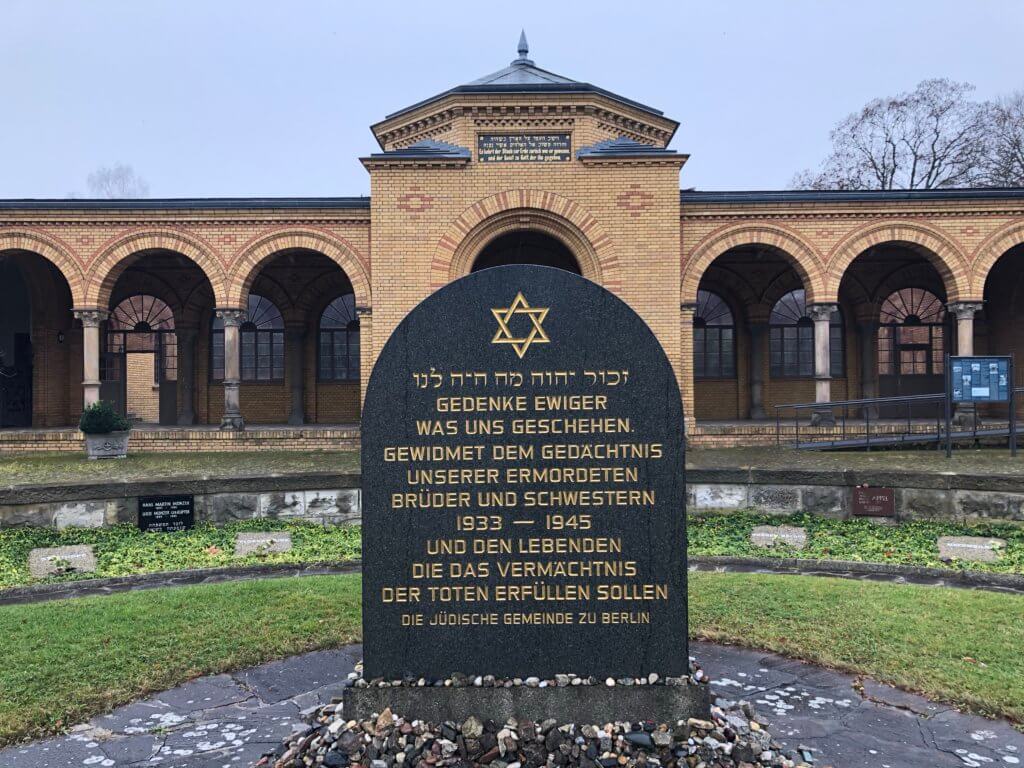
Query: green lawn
point(69, 468)
point(35, 468)
point(66, 660)
point(980, 461)
point(123, 549)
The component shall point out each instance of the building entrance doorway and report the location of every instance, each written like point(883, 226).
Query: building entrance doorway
point(139, 364)
point(911, 347)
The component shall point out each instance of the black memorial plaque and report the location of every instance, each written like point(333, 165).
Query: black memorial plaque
point(523, 486)
point(523, 147)
point(164, 514)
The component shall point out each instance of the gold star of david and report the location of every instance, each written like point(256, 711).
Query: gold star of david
point(536, 335)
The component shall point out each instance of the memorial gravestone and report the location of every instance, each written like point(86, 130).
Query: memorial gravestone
point(524, 490)
point(166, 514)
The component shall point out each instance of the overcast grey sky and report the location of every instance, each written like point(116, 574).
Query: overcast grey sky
point(275, 97)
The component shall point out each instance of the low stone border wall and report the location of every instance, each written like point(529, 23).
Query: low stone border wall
point(918, 495)
point(327, 497)
point(891, 572)
point(37, 593)
point(192, 439)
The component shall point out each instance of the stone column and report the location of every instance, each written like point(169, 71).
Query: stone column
point(232, 319)
point(868, 330)
point(758, 329)
point(186, 375)
point(91, 320)
point(686, 313)
point(821, 314)
point(966, 413)
point(295, 348)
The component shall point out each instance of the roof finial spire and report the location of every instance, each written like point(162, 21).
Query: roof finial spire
point(524, 50)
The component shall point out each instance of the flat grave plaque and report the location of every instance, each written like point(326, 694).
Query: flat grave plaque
point(164, 514)
point(51, 561)
point(769, 535)
point(523, 486)
point(874, 502)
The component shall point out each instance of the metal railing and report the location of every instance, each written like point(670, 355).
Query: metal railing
point(836, 414)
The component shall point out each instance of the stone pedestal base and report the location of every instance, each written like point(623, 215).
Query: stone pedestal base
point(232, 423)
point(823, 417)
point(573, 704)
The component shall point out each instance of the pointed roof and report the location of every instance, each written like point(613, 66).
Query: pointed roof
point(523, 76)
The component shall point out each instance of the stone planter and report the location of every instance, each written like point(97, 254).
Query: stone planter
point(111, 445)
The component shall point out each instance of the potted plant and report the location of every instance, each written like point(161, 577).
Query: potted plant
point(106, 431)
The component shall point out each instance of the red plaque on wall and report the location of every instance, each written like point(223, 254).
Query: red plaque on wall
point(874, 502)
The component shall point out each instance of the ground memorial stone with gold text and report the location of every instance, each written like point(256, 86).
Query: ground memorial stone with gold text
point(523, 486)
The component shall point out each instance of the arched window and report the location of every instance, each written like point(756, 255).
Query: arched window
point(262, 343)
point(143, 323)
point(791, 339)
point(911, 334)
point(714, 350)
point(338, 348)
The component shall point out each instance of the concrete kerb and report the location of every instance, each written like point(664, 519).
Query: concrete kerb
point(965, 579)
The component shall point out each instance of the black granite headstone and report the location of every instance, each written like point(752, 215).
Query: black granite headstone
point(523, 486)
point(165, 514)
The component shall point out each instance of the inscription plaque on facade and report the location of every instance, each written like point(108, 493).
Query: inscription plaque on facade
point(874, 502)
point(164, 514)
point(523, 147)
point(523, 486)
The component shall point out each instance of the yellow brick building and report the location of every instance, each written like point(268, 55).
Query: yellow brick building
point(256, 312)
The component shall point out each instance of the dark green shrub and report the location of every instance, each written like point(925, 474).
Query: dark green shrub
point(101, 418)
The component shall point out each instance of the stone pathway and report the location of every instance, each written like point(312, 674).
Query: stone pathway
point(229, 721)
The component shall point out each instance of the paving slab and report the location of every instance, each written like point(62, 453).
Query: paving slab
point(231, 720)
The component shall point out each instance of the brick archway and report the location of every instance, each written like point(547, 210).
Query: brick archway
point(800, 254)
point(990, 251)
point(54, 252)
point(941, 251)
point(254, 255)
point(525, 209)
point(105, 270)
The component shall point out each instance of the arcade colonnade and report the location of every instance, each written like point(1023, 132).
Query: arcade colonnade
point(255, 323)
point(808, 299)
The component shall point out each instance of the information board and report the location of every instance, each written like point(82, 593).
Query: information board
point(980, 379)
point(164, 514)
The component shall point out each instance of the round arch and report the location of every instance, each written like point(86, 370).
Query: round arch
point(115, 258)
point(944, 255)
point(990, 251)
point(525, 209)
point(800, 254)
point(257, 252)
point(54, 252)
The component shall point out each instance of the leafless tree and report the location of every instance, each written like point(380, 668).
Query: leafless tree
point(934, 136)
point(118, 181)
point(1006, 142)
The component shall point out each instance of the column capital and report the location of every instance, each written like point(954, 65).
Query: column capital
point(819, 312)
point(964, 310)
point(364, 311)
point(91, 318)
point(231, 316)
point(688, 307)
